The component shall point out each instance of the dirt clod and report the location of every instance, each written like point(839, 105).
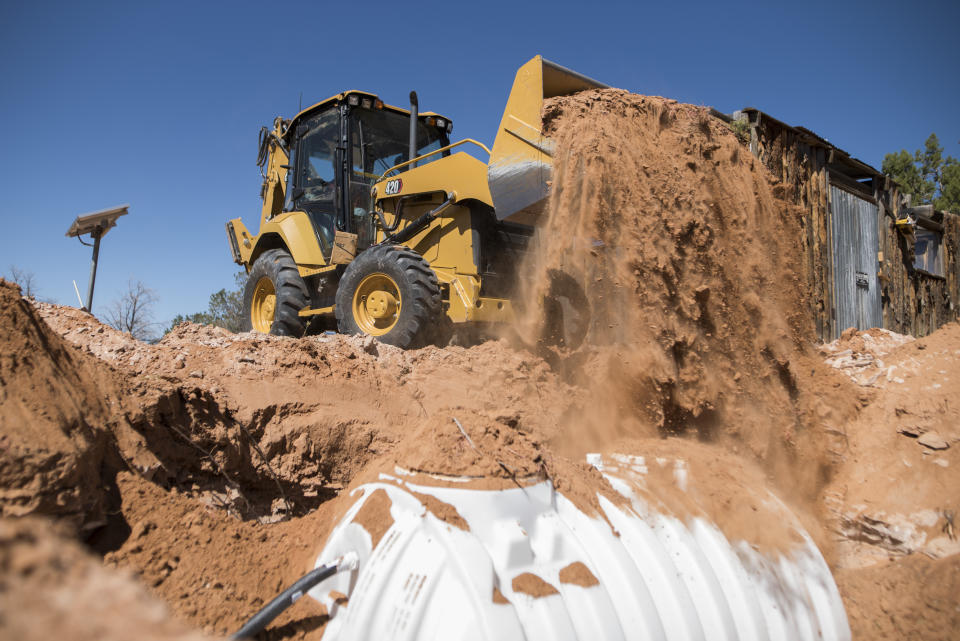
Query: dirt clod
point(374, 516)
point(933, 440)
point(578, 574)
point(531, 584)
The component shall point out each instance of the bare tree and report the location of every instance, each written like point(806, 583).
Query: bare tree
point(27, 281)
point(132, 312)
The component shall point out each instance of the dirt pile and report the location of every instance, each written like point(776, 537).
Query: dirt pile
point(859, 355)
point(910, 598)
point(232, 447)
point(213, 569)
point(214, 408)
point(52, 588)
point(895, 493)
point(58, 407)
point(219, 435)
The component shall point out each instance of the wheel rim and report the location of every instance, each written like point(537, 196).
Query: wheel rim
point(264, 305)
point(376, 304)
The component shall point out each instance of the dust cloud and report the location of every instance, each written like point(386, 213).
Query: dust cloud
point(691, 273)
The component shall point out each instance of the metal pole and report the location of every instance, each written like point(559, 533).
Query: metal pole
point(93, 268)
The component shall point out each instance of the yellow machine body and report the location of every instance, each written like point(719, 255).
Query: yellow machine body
point(447, 242)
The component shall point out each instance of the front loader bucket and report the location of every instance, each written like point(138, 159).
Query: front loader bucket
point(521, 162)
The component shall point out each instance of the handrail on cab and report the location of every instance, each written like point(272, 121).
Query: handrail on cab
point(435, 151)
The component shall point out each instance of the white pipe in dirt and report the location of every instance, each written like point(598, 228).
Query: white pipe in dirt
point(437, 559)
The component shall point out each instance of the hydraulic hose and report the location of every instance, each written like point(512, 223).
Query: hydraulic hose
point(389, 229)
point(414, 227)
point(288, 597)
point(263, 147)
point(262, 150)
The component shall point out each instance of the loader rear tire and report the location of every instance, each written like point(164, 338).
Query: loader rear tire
point(274, 295)
point(389, 292)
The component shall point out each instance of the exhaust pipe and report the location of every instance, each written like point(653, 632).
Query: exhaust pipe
point(414, 113)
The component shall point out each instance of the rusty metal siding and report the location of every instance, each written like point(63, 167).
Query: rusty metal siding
point(855, 246)
point(912, 302)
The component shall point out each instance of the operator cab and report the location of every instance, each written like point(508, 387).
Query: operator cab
point(338, 150)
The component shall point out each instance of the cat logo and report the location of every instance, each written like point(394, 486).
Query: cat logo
point(393, 187)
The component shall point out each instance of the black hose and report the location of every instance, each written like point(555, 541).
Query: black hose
point(262, 141)
point(414, 227)
point(389, 229)
point(287, 598)
point(263, 147)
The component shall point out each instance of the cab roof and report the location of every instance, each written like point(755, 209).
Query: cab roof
point(340, 97)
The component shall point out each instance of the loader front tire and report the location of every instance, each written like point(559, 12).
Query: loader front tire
point(390, 292)
point(274, 295)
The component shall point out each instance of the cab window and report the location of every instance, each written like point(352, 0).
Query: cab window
point(318, 159)
point(315, 191)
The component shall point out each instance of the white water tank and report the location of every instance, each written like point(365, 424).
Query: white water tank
point(442, 561)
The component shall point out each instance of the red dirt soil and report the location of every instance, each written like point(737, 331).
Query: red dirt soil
point(208, 469)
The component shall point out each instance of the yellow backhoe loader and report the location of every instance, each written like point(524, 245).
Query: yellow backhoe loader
point(372, 217)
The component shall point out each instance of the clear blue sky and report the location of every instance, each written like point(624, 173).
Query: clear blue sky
point(159, 104)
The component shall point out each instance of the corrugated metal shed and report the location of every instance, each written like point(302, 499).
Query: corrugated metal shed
point(855, 245)
point(841, 249)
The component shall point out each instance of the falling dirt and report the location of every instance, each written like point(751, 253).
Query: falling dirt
point(692, 273)
point(202, 475)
